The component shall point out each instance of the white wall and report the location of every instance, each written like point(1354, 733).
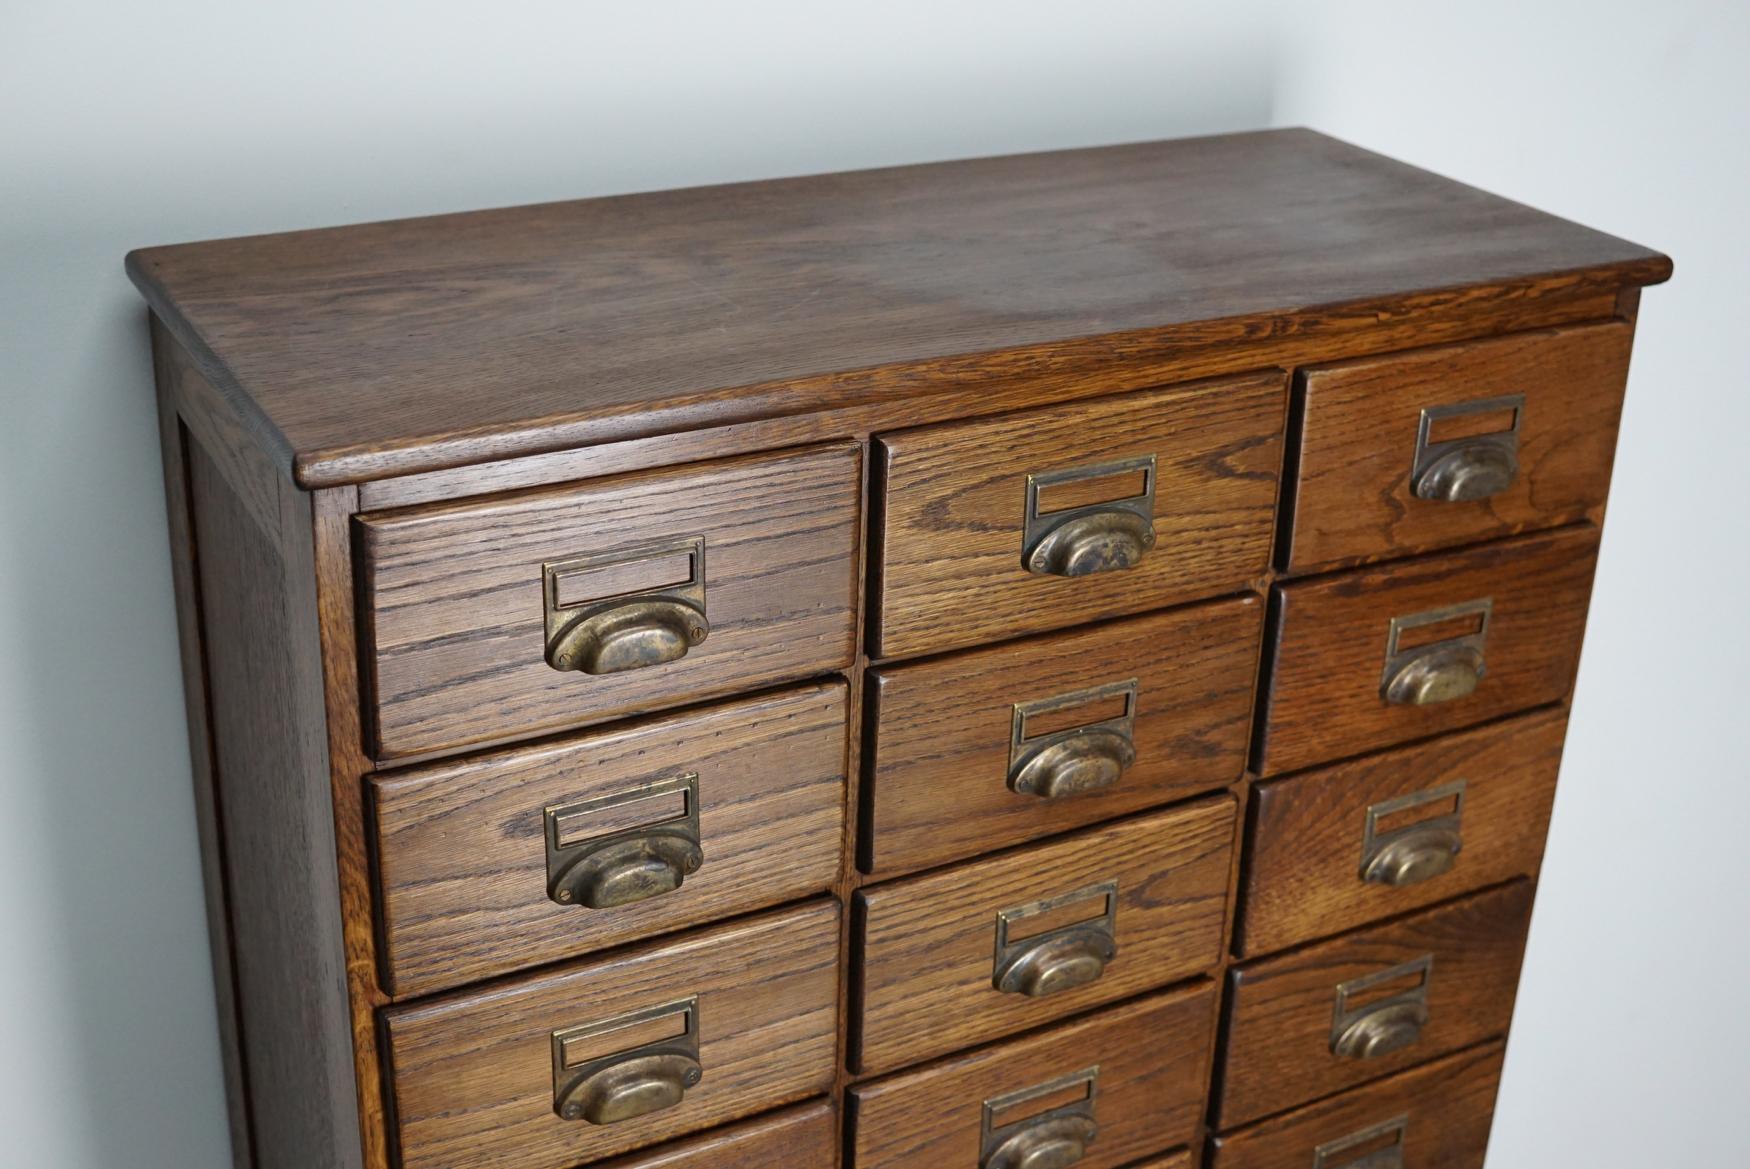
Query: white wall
point(127, 124)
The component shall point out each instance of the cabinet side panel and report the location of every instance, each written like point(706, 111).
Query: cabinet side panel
point(270, 771)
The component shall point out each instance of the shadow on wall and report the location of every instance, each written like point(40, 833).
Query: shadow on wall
point(114, 1005)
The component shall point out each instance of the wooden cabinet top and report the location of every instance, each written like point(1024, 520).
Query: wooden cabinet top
point(360, 352)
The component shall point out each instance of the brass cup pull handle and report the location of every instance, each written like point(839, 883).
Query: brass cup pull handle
point(1468, 472)
point(628, 636)
point(630, 1089)
point(1444, 673)
point(1075, 765)
point(632, 869)
point(1418, 855)
point(1054, 1142)
point(1387, 1028)
point(1104, 540)
point(1058, 961)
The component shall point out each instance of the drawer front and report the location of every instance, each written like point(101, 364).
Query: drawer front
point(480, 1079)
point(1310, 1023)
point(1120, 1084)
point(996, 746)
point(1178, 484)
point(1433, 1117)
point(1178, 1160)
point(1337, 848)
point(525, 856)
point(1379, 656)
point(806, 1135)
point(1060, 928)
point(1425, 450)
point(466, 603)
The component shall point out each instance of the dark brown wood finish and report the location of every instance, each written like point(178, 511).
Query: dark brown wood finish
point(938, 777)
point(462, 847)
point(927, 943)
point(1304, 846)
point(1328, 666)
point(435, 342)
point(454, 595)
point(1445, 1107)
point(954, 502)
point(805, 1136)
point(1281, 1010)
point(473, 1072)
point(1353, 499)
point(1150, 1056)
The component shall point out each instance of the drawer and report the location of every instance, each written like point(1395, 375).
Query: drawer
point(996, 746)
point(1118, 1085)
point(973, 953)
point(806, 1135)
point(1336, 848)
point(979, 520)
point(1379, 656)
point(1417, 451)
point(529, 855)
point(651, 1044)
point(494, 619)
point(1434, 1117)
point(1178, 1160)
point(1316, 1021)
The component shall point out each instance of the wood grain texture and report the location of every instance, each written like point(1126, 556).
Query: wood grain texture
point(270, 753)
point(453, 339)
point(937, 787)
point(953, 510)
point(1150, 1054)
point(454, 595)
point(1179, 1160)
point(1353, 500)
point(927, 942)
point(461, 847)
point(473, 1076)
point(1447, 1105)
point(1324, 698)
point(1303, 869)
point(805, 1136)
point(1279, 1013)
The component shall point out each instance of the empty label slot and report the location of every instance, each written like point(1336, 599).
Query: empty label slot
point(1079, 909)
point(1074, 493)
point(1351, 1150)
point(1361, 994)
point(1104, 708)
point(627, 577)
point(1447, 629)
point(583, 822)
point(591, 1043)
point(1022, 1106)
point(1471, 424)
point(1390, 820)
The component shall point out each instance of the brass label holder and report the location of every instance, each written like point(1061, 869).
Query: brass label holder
point(623, 847)
point(1414, 850)
point(630, 1081)
point(1437, 671)
point(1381, 1026)
point(1089, 537)
point(1077, 759)
point(1471, 467)
point(1068, 1126)
point(1379, 1146)
point(626, 628)
point(1061, 957)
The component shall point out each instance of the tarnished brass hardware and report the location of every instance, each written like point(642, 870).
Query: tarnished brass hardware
point(1094, 537)
point(1440, 671)
point(1386, 1025)
point(628, 631)
point(1418, 851)
point(1463, 470)
point(1074, 760)
point(1061, 958)
point(618, 863)
point(1379, 1146)
point(1053, 1139)
point(634, 1082)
